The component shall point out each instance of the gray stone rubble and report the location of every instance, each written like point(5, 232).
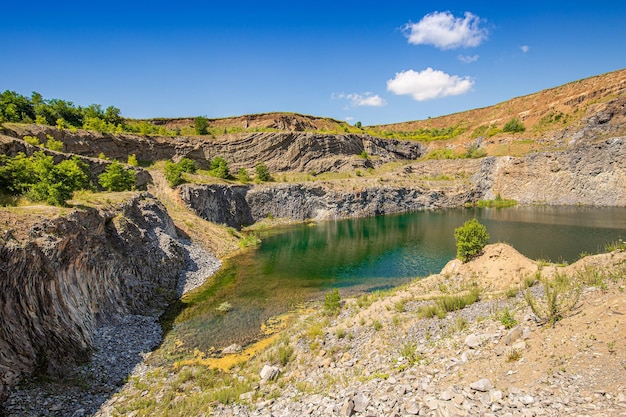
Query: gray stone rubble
point(119, 351)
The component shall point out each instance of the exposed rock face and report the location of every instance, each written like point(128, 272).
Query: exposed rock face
point(280, 151)
point(75, 273)
point(238, 206)
point(219, 203)
point(592, 174)
point(11, 146)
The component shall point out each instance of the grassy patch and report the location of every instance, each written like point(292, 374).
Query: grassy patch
point(497, 202)
point(447, 303)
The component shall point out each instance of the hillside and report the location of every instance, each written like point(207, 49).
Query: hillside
point(543, 114)
point(101, 255)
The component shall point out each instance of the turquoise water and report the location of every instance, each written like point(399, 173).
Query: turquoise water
point(302, 262)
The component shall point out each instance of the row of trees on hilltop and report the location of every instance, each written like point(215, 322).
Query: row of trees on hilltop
point(17, 108)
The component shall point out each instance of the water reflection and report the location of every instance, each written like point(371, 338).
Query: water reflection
point(302, 262)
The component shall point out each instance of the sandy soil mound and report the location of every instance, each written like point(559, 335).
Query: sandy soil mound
point(499, 267)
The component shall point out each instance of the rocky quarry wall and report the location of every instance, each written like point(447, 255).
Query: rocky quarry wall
point(280, 151)
point(588, 174)
point(591, 174)
point(76, 272)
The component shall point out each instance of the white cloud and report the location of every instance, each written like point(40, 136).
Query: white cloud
point(468, 59)
point(428, 84)
point(367, 99)
point(349, 119)
point(445, 31)
point(524, 48)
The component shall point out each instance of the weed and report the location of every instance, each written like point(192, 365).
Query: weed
point(507, 319)
point(619, 245)
point(249, 240)
point(510, 292)
point(340, 333)
point(611, 346)
point(560, 296)
point(409, 351)
point(225, 307)
point(592, 277)
point(514, 355)
point(377, 325)
point(531, 280)
point(460, 324)
point(314, 331)
point(400, 306)
point(285, 354)
point(448, 303)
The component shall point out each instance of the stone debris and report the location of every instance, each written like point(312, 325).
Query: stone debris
point(416, 367)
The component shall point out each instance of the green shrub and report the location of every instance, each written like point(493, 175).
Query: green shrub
point(243, 176)
point(470, 239)
point(55, 184)
point(132, 160)
point(173, 174)
point(53, 144)
point(16, 174)
point(187, 165)
point(513, 126)
point(201, 124)
point(475, 152)
point(32, 140)
point(262, 172)
point(219, 168)
point(174, 171)
point(117, 178)
point(332, 303)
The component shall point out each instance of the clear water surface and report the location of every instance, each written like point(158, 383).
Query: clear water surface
point(302, 262)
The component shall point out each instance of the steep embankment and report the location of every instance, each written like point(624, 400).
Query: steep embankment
point(589, 175)
point(280, 151)
point(238, 206)
point(63, 277)
point(592, 174)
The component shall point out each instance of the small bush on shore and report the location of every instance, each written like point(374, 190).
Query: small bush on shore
point(332, 303)
point(470, 239)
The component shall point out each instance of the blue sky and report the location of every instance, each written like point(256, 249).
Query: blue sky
point(374, 62)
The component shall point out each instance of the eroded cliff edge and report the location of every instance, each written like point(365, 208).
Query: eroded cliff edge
point(588, 174)
point(70, 274)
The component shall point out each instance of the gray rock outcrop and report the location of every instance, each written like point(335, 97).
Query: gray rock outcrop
point(237, 206)
point(77, 272)
point(590, 174)
point(280, 151)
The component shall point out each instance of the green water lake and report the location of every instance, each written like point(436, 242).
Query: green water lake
point(300, 263)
